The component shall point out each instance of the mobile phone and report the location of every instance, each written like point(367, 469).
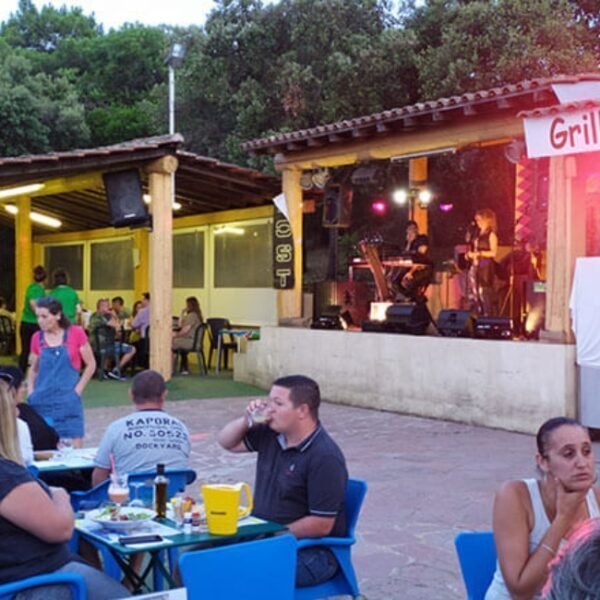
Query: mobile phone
point(140, 539)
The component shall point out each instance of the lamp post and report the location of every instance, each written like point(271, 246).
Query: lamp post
point(174, 61)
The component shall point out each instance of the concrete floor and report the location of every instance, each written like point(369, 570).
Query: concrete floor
point(427, 481)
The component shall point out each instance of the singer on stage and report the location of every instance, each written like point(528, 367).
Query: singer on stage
point(483, 241)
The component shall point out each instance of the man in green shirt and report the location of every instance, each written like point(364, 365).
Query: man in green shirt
point(65, 294)
point(29, 323)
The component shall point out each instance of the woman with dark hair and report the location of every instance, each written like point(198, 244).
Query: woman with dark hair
point(65, 294)
point(29, 324)
point(482, 273)
point(55, 385)
point(532, 517)
point(183, 338)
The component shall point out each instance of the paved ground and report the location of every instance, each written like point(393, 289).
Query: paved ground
point(427, 481)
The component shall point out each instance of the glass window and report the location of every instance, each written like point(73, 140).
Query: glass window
point(69, 258)
point(188, 260)
point(243, 256)
point(112, 265)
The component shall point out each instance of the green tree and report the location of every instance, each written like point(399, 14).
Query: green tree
point(45, 29)
point(38, 112)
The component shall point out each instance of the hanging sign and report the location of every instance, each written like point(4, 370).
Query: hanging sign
point(564, 133)
point(283, 248)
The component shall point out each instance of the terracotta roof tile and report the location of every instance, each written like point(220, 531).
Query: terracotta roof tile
point(559, 108)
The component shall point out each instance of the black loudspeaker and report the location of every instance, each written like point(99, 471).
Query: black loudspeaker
point(125, 199)
point(337, 205)
point(329, 318)
point(407, 317)
point(455, 323)
point(494, 328)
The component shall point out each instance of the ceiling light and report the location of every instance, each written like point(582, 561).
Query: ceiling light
point(148, 199)
point(432, 152)
point(230, 229)
point(21, 190)
point(36, 217)
point(424, 197)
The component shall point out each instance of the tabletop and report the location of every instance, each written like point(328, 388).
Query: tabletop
point(76, 458)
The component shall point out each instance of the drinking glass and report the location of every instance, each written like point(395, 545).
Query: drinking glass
point(136, 485)
point(118, 490)
point(65, 447)
point(261, 414)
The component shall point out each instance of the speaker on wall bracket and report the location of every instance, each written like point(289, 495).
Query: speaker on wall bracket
point(125, 199)
point(337, 205)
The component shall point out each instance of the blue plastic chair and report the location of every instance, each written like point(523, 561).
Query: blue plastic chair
point(477, 557)
point(262, 569)
point(178, 480)
point(345, 582)
point(75, 583)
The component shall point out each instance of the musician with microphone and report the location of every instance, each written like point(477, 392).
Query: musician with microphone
point(412, 280)
point(483, 242)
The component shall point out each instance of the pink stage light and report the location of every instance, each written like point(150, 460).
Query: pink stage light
point(446, 207)
point(379, 206)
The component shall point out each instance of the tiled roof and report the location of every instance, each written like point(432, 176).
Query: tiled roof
point(559, 109)
point(510, 97)
point(202, 184)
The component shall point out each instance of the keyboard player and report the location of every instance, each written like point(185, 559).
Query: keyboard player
point(411, 281)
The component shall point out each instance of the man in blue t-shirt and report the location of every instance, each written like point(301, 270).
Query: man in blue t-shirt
point(301, 474)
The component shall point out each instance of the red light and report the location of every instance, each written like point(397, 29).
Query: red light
point(379, 206)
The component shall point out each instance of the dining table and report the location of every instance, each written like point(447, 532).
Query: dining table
point(74, 459)
point(171, 537)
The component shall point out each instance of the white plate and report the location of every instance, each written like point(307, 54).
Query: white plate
point(101, 516)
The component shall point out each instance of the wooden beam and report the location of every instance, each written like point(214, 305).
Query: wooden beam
point(289, 302)
point(161, 178)
point(23, 256)
point(479, 129)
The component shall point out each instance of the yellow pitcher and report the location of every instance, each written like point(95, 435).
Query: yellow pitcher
point(222, 506)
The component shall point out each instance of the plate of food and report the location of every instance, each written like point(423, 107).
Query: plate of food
point(123, 518)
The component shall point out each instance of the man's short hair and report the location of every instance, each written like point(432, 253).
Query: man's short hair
point(411, 222)
point(146, 296)
point(303, 390)
point(119, 299)
point(100, 301)
point(147, 386)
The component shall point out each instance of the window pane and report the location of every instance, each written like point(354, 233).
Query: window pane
point(188, 260)
point(243, 256)
point(69, 258)
point(112, 265)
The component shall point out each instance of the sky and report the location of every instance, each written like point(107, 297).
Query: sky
point(114, 13)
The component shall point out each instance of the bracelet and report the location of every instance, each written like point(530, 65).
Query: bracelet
point(549, 548)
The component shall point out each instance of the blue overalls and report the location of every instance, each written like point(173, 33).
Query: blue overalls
point(54, 395)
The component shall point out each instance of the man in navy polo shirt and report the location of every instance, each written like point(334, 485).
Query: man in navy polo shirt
point(301, 474)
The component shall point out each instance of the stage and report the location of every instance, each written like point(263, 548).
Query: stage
point(512, 385)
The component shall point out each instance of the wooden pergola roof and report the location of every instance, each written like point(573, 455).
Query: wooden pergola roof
point(76, 194)
point(505, 100)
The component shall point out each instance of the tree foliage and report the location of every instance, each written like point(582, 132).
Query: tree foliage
point(256, 69)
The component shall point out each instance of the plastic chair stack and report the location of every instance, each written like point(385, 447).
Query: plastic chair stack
point(477, 557)
point(258, 570)
point(345, 582)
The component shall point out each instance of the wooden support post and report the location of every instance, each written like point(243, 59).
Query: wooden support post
point(564, 245)
point(289, 302)
point(23, 256)
point(161, 263)
point(417, 180)
point(141, 262)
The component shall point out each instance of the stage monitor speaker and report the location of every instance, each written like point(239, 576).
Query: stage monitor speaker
point(330, 318)
point(337, 205)
point(407, 317)
point(455, 323)
point(125, 199)
point(494, 328)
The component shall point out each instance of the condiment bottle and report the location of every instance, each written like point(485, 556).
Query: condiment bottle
point(187, 523)
point(160, 491)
